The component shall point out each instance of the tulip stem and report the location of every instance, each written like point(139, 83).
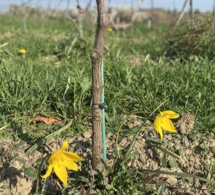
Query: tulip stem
point(38, 174)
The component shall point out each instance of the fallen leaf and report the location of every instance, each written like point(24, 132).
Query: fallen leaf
point(47, 120)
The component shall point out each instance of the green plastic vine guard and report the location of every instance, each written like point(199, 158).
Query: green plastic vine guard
point(103, 116)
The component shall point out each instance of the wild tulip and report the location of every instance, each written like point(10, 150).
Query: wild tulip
point(62, 160)
point(163, 122)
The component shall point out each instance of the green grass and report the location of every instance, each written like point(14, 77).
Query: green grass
point(53, 79)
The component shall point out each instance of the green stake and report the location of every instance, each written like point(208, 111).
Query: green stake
point(103, 116)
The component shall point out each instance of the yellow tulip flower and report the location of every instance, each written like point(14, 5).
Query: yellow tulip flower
point(60, 160)
point(22, 51)
point(163, 122)
point(109, 29)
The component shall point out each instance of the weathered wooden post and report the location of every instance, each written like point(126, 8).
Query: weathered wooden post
point(97, 86)
point(182, 12)
point(191, 9)
point(213, 14)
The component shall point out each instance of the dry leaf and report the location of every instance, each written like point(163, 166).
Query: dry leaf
point(47, 120)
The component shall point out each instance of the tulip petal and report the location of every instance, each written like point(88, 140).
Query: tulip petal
point(48, 172)
point(65, 145)
point(70, 164)
point(72, 156)
point(61, 173)
point(167, 125)
point(157, 126)
point(169, 114)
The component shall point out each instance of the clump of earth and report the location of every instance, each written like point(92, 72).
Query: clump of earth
point(186, 152)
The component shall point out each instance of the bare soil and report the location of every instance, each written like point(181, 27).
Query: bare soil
point(195, 154)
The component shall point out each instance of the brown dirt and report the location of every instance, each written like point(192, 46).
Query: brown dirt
point(195, 154)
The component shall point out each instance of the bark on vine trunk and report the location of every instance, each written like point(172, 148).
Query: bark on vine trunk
point(96, 57)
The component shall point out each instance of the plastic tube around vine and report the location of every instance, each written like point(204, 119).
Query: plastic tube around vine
point(103, 117)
